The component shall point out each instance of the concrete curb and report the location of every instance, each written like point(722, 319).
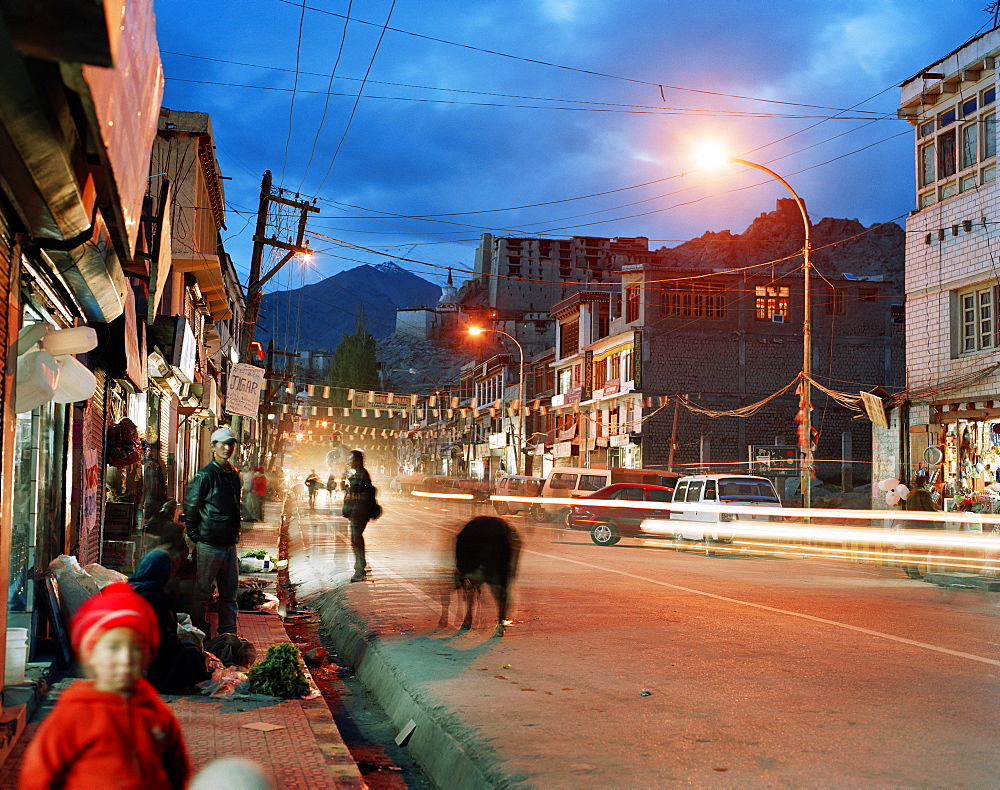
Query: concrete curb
point(451, 758)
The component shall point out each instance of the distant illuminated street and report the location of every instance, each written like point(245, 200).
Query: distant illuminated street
point(642, 665)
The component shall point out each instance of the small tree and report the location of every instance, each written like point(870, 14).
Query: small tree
point(354, 365)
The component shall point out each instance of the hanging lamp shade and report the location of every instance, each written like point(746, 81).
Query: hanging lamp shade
point(75, 340)
point(76, 382)
point(37, 378)
point(29, 335)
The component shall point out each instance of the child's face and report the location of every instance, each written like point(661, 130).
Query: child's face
point(117, 660)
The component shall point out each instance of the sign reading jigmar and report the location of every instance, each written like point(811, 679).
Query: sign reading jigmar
point(243, 392)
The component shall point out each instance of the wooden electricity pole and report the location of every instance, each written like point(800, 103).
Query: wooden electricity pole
point(256, 282)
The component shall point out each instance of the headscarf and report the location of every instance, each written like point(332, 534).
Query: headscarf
point(153, 572)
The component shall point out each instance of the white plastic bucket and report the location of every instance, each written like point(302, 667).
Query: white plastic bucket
point(16, 657)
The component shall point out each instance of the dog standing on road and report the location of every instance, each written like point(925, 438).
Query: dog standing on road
point(486, 551)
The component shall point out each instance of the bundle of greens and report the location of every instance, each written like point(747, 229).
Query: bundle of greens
point(249, 600)
point(257, 554)
point(279, 674)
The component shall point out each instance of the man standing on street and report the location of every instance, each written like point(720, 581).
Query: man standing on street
point(212, 519)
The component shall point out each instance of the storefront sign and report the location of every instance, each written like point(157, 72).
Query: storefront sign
point(575, 395)
point(558, 400)
point(637, 359)
point(243, 392)
point(497, 440)
point(562, 449)
point(618, 440)
point(588, 374)
point(611, 386)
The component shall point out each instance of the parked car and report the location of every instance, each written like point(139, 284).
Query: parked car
point(607, 524)
point(567, 482)
point(443, 484)
point(516, 485)
point(709, 524)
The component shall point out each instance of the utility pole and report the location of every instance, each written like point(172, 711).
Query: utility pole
point(673, 434)
point(256, 283)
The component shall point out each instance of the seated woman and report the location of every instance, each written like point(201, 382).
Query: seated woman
point(176, 667)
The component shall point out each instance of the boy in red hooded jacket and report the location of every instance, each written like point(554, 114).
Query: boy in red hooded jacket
point(112, 730)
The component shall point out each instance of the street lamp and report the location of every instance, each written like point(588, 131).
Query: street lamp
point(805, 437)
point(478, 330)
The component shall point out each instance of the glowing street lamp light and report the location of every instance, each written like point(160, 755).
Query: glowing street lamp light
point(713, 156)
point(478, 330)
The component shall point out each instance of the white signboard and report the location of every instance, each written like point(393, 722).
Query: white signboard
point(243, 392)
point(562, 449)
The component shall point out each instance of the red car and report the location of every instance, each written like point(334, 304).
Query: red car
point(609, 524)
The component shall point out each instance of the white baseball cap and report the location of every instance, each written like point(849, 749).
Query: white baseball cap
point(223, 434)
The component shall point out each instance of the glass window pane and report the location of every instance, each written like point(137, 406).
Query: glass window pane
point(694, 491)
point(946, 154)
point(969, 145)
point(989, 136)
point(927, 165)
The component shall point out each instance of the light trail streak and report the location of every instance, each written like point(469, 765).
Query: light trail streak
point(433, 495)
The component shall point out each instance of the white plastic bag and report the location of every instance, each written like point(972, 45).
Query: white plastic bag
point(75, 585)
point(188, 632)
point(104, 576)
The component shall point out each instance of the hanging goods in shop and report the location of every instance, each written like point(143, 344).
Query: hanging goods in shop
point(123, 447)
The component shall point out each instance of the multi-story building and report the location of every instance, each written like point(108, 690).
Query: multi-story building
point(76, 128)
point(716, 341)
point(949, 426)
point(195, 304)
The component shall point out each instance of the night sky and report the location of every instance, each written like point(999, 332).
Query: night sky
point(552, 117)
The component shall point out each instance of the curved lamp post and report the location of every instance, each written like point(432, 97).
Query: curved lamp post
point(805, 388)
point(478, 330)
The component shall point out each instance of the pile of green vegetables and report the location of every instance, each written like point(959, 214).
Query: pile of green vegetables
point(279, 674)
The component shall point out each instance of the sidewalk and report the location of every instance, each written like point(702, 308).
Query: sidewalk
point(296, 739)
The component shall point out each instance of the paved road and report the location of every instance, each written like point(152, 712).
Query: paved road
point(643, 666)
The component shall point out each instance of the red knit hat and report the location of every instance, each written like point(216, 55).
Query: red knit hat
point(117, 605)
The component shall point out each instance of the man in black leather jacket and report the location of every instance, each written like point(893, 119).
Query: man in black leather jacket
point(212, 520)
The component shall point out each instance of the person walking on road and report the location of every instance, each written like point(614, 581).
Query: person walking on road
point(313, 484)
point(919, 499)
point(212, 518)
point(359, 504)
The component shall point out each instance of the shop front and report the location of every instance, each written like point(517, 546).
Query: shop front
point(962, 460)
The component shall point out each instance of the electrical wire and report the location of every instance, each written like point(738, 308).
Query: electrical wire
point(295, 86)
point(357, 100)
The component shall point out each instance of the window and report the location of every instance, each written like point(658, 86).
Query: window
point(514, 265)
point(631, 494)
point(946, 149)
point(694, 491)
point(614, 366)
point(659, 495)
point(631, 304)
point(772, 301)
point(569, 338)
point(970, 148)
point(867, 294)
point(989, 135)
point(946, 154)
point(709, 491)
point(977, 322)
point(592, 482)
point(837, 304)
point(628, 366)
point(927, 164)
point(565, 381)
point(699, 300)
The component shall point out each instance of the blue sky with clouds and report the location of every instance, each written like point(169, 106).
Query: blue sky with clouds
point(549, 117)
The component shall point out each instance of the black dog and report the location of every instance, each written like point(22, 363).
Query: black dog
point(486, 551)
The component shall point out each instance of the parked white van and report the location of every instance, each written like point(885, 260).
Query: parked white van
point(694, 524)
point(578, 481)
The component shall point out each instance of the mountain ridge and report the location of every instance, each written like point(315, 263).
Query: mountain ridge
point(315, 317)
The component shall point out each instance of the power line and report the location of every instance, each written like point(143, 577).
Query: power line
point(537, 62)
point(357, 99)
point(295, 85)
